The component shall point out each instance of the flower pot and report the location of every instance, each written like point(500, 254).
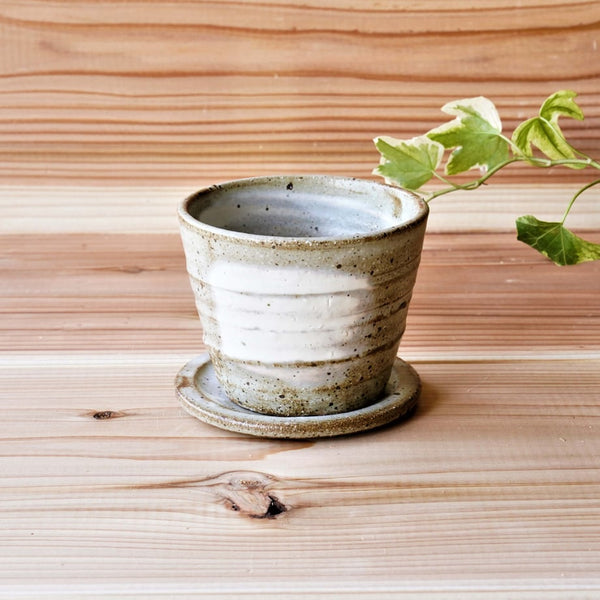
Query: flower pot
point(302, 285)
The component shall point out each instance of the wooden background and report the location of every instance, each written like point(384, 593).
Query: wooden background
point(186, 93)
point(111, 111)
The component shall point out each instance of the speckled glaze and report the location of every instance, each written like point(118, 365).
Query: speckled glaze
point(202, 396)
point(302, 285)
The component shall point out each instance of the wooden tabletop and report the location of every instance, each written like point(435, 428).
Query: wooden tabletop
point(110, 113)
point(110, 490)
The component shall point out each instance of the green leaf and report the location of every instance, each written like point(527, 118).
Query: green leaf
point(561, 103)
point(556, 242)
point(548, 138)
point(543, 131)
point(408, 163)
point(475, 134)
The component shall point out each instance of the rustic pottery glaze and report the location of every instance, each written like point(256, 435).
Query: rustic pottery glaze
point(302, 284)
point(201, 395)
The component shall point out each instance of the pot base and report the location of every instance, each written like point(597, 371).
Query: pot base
point(202, 396)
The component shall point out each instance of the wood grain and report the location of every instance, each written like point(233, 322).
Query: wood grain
point(111, 112)
point(492, 486)
point(176, 93)
point(110, 490)
point(131, 293)
point(35, 209)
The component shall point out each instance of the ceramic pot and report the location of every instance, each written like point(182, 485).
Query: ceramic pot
point(302, 284)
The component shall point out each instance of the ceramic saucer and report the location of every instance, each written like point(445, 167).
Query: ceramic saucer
point(202, 396)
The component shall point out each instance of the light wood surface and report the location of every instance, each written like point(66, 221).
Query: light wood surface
point(111, 112)
point(109, 490)
point(173, 93)
point(35, 209)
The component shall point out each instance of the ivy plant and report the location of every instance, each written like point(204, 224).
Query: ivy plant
point(474, 140)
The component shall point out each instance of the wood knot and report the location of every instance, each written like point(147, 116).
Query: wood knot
point(248, 493)
point(103, 415)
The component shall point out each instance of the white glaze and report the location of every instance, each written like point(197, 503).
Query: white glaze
point(302, 284)
point(284, 314)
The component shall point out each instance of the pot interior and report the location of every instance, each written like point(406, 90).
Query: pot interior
point(303, 207)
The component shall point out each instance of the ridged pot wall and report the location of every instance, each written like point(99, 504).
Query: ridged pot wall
point(303, 285)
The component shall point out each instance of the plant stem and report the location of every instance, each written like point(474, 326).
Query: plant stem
point(543, 163)
point(575, 196)
point(472, 185)
point(546, 163)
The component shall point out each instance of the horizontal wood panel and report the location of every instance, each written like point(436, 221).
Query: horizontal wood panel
point(174, 93)
point(111, 112)
point(131, 292)
point(111, 490)
point(35, 209)
point(498, 461)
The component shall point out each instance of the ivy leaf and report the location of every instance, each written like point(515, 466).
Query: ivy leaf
point(556, 242)
point(408, 163)
point(544, 132)
point(474, 134)
point(561, 103)
point(541, 133)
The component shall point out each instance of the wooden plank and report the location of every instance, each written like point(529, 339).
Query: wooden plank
point(105, 93)
point(111, 112)
point(108, 489)
point(475, 297)
point(105, 209)
point(491, 487)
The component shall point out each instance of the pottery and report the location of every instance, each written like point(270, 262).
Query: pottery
point(202, 396)
point(302, 285)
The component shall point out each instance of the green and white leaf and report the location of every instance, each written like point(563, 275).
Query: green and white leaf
point(555, 241)
point(408, 163)
point(543, 131)
point(475, 135)
point(561, 103)
point(542, 134)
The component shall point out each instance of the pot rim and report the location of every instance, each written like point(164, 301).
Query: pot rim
point(186, 219)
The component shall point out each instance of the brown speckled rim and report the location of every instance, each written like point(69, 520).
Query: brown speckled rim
point(187, 220)
point(201, 396)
